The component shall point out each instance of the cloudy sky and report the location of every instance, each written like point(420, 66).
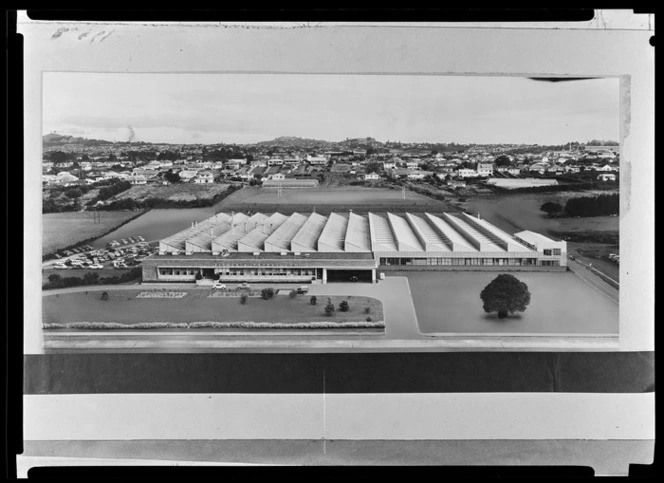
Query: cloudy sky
point(246, 108)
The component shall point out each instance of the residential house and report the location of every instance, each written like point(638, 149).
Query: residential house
point(138, 179)
point(485, 169)
point(204, 177)
point(275, 161)
point(187, 175)
point(467, 173)
point(278, 176)
point(607, 177)
point(606, 169)
point(456, 183)
point(418, 174)
point(371, 176)
point(316, 160)
point(514, 171)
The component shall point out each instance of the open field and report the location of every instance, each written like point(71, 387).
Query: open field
point(124, 307)
point(61, 230)
point(518, 212)
point(172, 192)
point(561, 303)
point(357, 198)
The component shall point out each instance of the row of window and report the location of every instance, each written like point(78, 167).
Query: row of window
point(551, 251)
point(242, 271)
point(458, 261)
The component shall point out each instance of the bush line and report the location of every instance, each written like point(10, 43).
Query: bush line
point(214, 325)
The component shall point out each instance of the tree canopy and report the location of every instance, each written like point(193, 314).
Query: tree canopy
point(551, 207)
point(502, 160)
point(505, 294)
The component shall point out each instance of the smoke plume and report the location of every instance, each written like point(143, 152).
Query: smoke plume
point(132, 134)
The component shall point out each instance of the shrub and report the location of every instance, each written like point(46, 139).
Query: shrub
point(199, 275)
point(54, 277)
point(267, 293)
point(367, 310)
point(329, 308)
point(343, 306)
point(369, 319)
point(104, 295)
point(292, 294)
point(243, 298)
point(313, 300)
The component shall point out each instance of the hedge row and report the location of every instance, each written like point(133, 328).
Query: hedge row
point(215, 325)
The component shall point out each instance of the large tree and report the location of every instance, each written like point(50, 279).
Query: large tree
point(505, 294)
point(502, 160)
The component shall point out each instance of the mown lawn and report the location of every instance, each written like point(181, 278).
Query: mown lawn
point(123, 306)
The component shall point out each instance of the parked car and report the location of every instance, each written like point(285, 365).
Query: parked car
point(96, 266)
point(219, 285)
point(243, 286)
point(354, 278)
point(303, 289)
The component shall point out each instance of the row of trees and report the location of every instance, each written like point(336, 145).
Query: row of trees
point(599, 205)
point(90, 278)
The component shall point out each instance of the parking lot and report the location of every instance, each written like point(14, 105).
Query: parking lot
point(117, 256)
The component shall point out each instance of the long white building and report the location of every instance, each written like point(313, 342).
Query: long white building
point(310, 246)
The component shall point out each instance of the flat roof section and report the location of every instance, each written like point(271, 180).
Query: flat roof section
point(334, 233)
point(535, 238)
point(255, 239)
point(306, 239)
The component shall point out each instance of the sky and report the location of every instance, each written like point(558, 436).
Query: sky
point(247, 108)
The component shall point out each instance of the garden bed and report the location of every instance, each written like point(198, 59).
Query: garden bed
point(233, 293)
point(161, 295)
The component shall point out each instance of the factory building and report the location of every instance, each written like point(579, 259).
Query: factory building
point(310, 247)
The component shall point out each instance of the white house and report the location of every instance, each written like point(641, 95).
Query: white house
point(514, 171)
point(467, 173)
point(275, 162)
point(371, 176)
point(316, 160)
point(278, 176)
point(484, 169)
point(204, 177)
point(389, 165)
point(187, 175)
point(607, 177)
point(606, 169)
point(138, 179)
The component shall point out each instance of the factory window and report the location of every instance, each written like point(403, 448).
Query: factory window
point(556, 251)
point(547, 252)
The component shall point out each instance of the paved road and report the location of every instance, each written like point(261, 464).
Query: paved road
point(583, 271)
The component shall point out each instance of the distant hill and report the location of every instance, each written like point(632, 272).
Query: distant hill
point(55, 139)
point(292, 141)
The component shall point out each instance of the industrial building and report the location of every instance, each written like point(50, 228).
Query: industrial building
point(317, 248)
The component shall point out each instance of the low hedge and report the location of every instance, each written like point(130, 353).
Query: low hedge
point(214, 325)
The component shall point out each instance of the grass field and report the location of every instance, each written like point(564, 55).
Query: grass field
point(561, 303)
point(173, 192)
point(61, 230)
point(358, 198)
point(123, 306)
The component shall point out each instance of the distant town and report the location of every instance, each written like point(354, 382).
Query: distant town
point(97, 172)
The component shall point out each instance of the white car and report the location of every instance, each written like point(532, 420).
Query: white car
point(96, 266)
point(219, 285)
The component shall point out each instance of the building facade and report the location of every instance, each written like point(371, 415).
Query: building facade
point(311, 247)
